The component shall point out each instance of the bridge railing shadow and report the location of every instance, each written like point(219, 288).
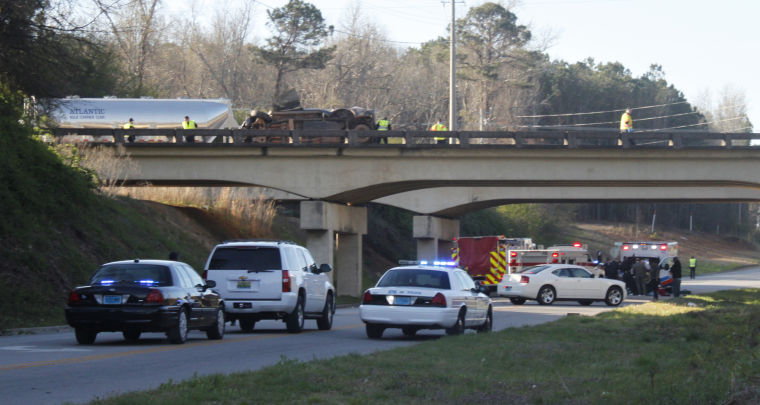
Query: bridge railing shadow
point(536, 139)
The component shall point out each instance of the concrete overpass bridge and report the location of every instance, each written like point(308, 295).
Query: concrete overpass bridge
point(336, 172)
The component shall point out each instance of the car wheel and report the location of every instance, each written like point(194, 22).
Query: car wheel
point(131, 335)
point(517, 301)
point(216, 331)
point(178, 333)
point(488, 324)
point(85, 336)
point(585, 302)
point(409, 332)
point(458, 327)
point(295, 319)
point(374, 331)
point(246, 325)
point(325, 321)
point(614, 296)
point(546, 295)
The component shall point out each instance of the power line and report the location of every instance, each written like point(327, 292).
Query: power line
point(601, 112)
point(375, 39)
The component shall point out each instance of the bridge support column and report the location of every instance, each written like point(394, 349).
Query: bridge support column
point(324, 221)
point(435, 236)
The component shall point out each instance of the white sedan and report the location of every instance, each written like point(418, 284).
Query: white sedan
point(547, 283)
point(425, 297)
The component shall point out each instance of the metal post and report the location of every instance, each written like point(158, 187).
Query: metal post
point(452, 71)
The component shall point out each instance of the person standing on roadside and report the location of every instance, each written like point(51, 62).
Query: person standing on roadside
point(654, 280)
point(626, 121)
point(692, 267)
point(439, 126)
point(189, 124)
point(675, 271)
point(130, 125)
point(640, 275)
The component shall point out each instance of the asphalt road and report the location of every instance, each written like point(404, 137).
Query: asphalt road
point(51, 368)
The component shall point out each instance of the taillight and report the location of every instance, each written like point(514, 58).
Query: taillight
point(663, 247)
point(524, 279)
point(439, 300)
point(367, 298)
point(154, 297)
point(74, 297)
point(285, 281)
point(205, 275)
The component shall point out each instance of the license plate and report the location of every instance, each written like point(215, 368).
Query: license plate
point(402, 300)
point(112, 299)
point(243, 284)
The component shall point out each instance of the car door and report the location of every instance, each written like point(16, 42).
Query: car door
point(587, 286)
point(208, 299)
point(477, 304)
point(191, 295)
point(564, 283)
point(317, 282)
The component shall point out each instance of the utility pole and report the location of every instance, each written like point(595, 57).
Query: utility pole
point(453, 71)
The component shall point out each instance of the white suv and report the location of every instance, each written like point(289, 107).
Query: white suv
point(271, 280)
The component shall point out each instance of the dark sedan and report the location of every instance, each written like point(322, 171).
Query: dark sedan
point(136, 296)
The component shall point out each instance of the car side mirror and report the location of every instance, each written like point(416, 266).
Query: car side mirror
point(210, 284)
point(325, 268)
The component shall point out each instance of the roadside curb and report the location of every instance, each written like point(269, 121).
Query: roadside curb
point(36, 331)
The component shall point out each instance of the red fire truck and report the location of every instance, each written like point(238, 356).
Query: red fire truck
point(485, 257)
point(574, 253)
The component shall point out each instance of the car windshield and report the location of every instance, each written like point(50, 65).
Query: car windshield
point(133, 273)
point(415, 278)
point(533, 269)
point(255, 258)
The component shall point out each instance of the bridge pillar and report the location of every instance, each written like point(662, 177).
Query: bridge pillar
point(334, 236)
point(435, 236)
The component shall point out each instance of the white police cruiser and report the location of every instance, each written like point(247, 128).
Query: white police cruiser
point(422, 296)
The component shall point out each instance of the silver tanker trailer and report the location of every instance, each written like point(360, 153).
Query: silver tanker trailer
point(110, 112)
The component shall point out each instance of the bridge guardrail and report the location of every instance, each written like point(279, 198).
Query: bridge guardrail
point(421, 139)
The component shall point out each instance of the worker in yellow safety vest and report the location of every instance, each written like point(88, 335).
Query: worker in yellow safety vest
point(438, 126)
point(189, 124)
point(692, 267)
point(626, 122)
point(130, 125)
point(383, 125)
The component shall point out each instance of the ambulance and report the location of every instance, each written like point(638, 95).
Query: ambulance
point(575, 253)
point(659, 253)
point(485, 257)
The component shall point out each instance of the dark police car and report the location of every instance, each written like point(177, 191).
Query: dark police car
point(135, 296)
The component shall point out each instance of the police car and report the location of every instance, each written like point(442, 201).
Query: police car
point(422, 296)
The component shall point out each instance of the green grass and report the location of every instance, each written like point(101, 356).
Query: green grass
point(693, 350)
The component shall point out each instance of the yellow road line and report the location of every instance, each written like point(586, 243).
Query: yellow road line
point(82, 359)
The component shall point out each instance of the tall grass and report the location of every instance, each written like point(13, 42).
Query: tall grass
point(248, 210)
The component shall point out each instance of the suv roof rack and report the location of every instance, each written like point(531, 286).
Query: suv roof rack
point(260, 240)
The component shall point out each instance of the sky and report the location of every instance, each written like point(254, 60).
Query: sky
point(703, 46)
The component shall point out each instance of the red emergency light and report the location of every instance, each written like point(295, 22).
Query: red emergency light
point(555, 254)
point(513, 254)
point(663, 247)
point(577, 244)
point(626, 247)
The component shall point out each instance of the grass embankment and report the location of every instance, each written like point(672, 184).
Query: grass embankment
point(693, 350)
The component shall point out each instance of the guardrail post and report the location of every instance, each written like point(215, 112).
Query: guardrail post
point(464, 139)
point(625, 137)
point(408, 140)
point(118, 135)
point(572, 140)
point(353, 138)
point(295, 137)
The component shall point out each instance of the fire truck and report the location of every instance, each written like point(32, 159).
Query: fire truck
point(574, 253)
point(485, 257)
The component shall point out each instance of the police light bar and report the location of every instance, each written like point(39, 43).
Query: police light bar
point(442, 263)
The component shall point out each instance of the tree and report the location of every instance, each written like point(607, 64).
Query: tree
point(489, 37)
point(298, 29)
point(45, 55)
